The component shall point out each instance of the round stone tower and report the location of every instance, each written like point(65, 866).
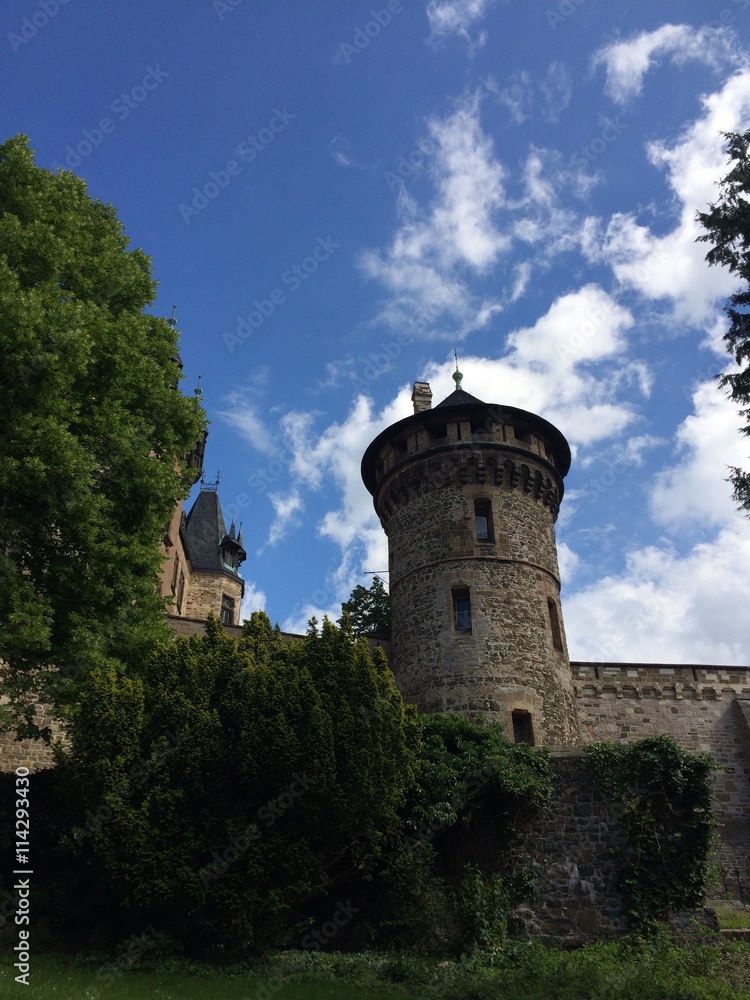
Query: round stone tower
point(468, 494)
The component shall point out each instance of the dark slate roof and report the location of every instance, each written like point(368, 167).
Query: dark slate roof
point(204, 531)
point(459, 397)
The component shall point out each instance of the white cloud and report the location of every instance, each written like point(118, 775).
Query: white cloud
point(243, 418)
point(253, 600)
point(287, 510)
point(556, 89)
point(627, 63)
point(668, 608)
point(683, 599)
point(456, 17)
point(424, 266)
point(671, 268)
point(525, 98)
point(332, 458)
point(340, 149)
point(694, 492)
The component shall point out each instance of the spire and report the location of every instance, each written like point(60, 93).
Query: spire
point(239, 536)
point(173, 318)
point(457, 376)
point(232, 531)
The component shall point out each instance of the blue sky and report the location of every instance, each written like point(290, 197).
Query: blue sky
point(338, 195)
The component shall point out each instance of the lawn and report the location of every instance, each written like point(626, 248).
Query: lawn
point(635, 969)
point(56, 978)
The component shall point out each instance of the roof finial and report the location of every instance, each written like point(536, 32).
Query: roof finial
point(172, 320)
point(457, 376)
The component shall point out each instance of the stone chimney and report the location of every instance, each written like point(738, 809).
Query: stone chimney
point(422, 397)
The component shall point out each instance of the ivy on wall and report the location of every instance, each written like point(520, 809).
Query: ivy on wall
point(665, 793)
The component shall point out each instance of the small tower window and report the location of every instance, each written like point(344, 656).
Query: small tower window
point(227, 610)
point(554, 621)
point(180, 592)
point(462, 609)
point(523, 731)
point(483, 520)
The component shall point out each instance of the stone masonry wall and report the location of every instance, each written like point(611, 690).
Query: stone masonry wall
point(509, 660)
point(205, 592)
point(571, 849)
point(701, 707)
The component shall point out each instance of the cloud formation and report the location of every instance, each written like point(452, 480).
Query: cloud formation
point(627, 63)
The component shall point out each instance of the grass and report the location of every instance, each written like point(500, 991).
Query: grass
point(732, 915)
point(53, 976)
point(626, 970)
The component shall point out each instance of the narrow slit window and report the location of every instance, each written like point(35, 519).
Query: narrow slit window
point(483, 520)
point(227, 610)
point(523, 731)
point(554, 621)
point(462, 609)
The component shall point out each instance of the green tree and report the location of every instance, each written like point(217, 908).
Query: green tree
point(727, 225)
point(232, 793)
point(92, 434)
point(369, 610)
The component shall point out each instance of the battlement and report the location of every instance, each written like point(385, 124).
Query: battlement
point(659, 680)
point(469, 426)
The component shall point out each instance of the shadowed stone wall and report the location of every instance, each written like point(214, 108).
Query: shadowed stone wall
point(702, 708)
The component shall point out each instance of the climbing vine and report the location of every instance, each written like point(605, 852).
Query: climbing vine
point(667, 812)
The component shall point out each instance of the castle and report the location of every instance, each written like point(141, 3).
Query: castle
point(468, 493)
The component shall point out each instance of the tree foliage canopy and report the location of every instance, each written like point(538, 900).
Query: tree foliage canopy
point(727, 225)
point(92, 432)
point(231, 793)
point(369, 610)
